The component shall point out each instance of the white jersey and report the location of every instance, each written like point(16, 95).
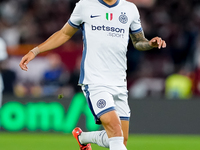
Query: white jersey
point(105, 36)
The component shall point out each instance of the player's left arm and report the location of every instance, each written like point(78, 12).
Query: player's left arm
point(141, 43)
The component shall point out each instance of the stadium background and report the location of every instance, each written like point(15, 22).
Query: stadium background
point(164, 85)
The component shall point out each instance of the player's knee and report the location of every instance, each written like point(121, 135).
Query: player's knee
point(113, 129)
point(112, 124)
point(117, 130)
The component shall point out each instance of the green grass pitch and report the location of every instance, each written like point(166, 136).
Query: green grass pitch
point(56, 141)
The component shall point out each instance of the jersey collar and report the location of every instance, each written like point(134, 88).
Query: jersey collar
point(115, 4)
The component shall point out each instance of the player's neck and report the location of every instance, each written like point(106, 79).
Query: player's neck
point(110, 2)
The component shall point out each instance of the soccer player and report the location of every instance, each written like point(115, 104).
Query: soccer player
point(106, 26)
point(3, 56)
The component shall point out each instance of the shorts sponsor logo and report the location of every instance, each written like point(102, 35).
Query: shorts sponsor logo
point(101, 103)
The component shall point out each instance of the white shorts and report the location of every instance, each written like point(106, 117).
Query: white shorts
point(102, 99)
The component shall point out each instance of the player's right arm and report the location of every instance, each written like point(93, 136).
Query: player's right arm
point(54, 41)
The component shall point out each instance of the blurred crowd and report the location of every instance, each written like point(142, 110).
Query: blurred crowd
point(173, 72)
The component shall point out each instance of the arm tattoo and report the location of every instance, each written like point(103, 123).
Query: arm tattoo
point(140, 42)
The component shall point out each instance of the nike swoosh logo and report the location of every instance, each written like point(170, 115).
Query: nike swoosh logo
point(95, 16)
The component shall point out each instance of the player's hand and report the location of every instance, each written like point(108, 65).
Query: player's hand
point(157, 42)
point(25, 60)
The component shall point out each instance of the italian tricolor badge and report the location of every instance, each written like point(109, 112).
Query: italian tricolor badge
point(109, 16)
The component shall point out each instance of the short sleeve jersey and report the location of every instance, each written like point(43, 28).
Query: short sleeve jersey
point(105, 31)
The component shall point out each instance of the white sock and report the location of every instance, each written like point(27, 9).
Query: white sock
point(98, 137)
point(117, 143)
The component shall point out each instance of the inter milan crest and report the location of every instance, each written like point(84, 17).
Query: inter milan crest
point(123, 18)
point(101, 103)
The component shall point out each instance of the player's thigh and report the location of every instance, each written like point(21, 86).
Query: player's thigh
point(125, 129)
